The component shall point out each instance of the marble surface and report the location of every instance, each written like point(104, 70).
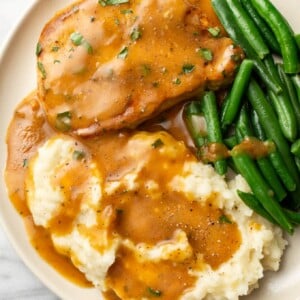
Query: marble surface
point(16, 281)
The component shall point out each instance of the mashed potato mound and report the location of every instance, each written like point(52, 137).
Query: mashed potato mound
point(91, 238)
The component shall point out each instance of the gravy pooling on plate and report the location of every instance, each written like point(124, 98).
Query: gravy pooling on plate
point(217, 243)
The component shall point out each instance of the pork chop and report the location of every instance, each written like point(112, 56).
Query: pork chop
point(108, 64)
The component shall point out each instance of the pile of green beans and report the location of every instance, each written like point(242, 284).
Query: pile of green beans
point(263, 104)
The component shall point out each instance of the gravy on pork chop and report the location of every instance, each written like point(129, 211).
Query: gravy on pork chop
point(105, 67)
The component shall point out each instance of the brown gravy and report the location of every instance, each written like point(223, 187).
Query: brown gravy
point(136, 217)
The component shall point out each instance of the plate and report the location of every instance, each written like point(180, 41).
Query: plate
point(17, 79)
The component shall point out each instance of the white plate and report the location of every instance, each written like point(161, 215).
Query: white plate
point(17, 79)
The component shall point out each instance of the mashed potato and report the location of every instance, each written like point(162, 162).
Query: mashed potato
point(164, 225)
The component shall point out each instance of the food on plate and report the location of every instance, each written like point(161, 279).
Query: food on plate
point(112, 66)
point(121, 194)
point(179, 229)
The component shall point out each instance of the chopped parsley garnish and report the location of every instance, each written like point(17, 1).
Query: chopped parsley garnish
point(188, 68)
point(146, 70)
point(214, 31)
point(154, 293)
point(55, 48)
point(78, 39)
point(176, 81)
point(38, 49)
point(224, 219)
point(126, 11)
point(117, 21)
point(135, 34)
point(112, 2)
point(158, 143)
point(124, 53)
point(56, 61)
point(78, 155)
point(42, 69)
point(205, 53)
point(88, 47)
point(25, 163)
point(63, 121)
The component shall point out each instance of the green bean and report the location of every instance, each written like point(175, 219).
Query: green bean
point(192, 114)
point(277, 164)
point(295, 149)
point(214, 134)
point(258, 130)
point(243, 125)
point(271, 68)
point(291, 95)
point(230, 142)
point(233, 102)
point(297, 38)
point(264, 29)
point(293, 216)
point(254, 204)
point(286, 116)
point(283, 33)
point(271, 126)
point(244, 129)
point(284, 105)
point(260, 189)
point(297, 161)
point(226, 17)
point(248, 28)
point(296, 82)
point(283, 171)
point(270, 174)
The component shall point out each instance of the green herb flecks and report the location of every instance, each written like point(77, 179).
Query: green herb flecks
point(55, 48)
point(214, 31)
point(126, 11)
point(78, 155)
point(224, 219)
point(205, 54)
point(154, 292)
point(176, 81)
point(63, 121)
point(146, 70)
point(25, 163)
point(135, 34)
point(188, 68)
point(157, 144)
point(112, 2)
point(42, 69)
point(123, 53)
point(78, 40)
point(38, 49)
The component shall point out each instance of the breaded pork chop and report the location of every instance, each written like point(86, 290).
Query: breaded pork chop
point(105, 66)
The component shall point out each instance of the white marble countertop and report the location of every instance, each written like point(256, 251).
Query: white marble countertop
point(16, 281)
